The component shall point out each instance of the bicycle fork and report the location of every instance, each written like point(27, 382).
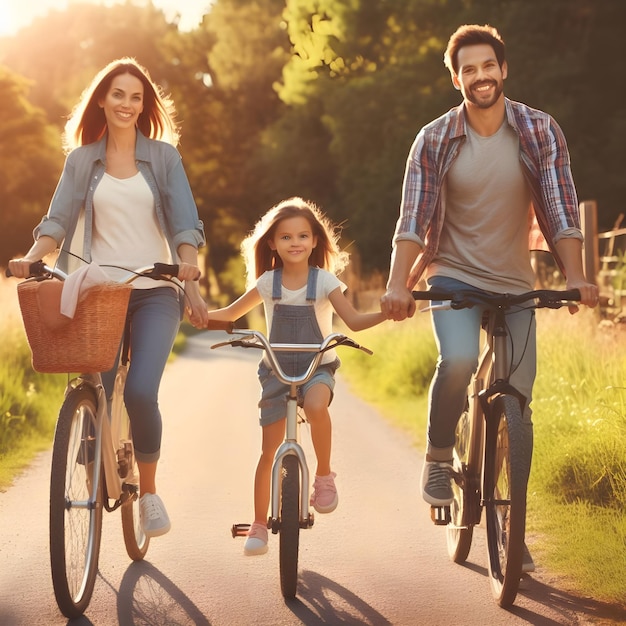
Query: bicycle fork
point(290, 446)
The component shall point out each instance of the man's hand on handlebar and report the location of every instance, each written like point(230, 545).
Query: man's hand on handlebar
point(588, 294)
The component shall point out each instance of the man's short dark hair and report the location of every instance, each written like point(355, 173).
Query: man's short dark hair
point(471, 35)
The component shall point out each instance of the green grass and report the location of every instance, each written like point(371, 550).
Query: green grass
point(577, 489)
point(27, 413)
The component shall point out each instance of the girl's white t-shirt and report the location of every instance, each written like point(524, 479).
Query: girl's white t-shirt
point(326, 284)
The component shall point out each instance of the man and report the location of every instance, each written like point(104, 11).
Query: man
point(475, 180)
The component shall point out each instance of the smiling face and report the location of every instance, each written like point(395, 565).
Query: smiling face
point(479, 78)
point(123, 102)
point(293, 240)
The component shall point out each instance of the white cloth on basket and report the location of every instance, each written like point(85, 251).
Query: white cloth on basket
point(77, 283)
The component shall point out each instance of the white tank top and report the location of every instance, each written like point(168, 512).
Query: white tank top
point(126, 230)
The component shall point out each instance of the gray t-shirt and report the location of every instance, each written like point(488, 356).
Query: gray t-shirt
point(484, 241)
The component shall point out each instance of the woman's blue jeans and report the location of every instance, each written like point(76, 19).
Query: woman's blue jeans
point(457, 334)
point(155, 319)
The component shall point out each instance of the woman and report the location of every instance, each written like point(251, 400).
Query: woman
point(124, 199)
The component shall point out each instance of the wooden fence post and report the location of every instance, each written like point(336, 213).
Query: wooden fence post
point(589, 223)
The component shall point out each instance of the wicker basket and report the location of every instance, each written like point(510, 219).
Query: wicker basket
point(88, 342)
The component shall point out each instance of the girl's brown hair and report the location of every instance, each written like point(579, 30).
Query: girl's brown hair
point(87, 123)
point(260, 258)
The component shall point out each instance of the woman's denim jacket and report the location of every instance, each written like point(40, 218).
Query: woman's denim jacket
point(159, 163)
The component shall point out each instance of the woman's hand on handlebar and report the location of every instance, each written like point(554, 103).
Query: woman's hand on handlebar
point(188, 272)
point(20, 268)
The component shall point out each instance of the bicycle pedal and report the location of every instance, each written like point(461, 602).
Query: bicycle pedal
point(440, 515)
point(239, 530)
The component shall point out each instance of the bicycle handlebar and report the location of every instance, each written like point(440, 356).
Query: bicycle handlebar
point(462, 299)
point(256, 339)
point(158, 271)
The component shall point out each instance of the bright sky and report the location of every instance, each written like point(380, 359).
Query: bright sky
point(15, 14)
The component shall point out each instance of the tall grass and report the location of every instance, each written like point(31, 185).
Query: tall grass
point(29, 401)
point(577, 489)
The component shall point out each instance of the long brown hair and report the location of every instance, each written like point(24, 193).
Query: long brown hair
point(260, 258)
point(87, 122)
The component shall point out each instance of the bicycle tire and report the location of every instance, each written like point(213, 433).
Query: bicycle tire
point(507, 467)
point(460, 530)
point(75, 511)
point(289, 538)
point(135, 540)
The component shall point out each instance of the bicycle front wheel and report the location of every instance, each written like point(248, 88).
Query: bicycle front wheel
point(75, 503)
point(289, 539)
point(507, 467)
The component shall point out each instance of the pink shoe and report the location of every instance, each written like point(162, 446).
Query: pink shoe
point(324, 498)
point(256, 543)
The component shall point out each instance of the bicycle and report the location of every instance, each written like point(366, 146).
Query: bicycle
point(290, 474)
point(492, 453)
point(93, 464)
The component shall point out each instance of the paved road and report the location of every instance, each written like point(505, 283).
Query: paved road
point(376, 560)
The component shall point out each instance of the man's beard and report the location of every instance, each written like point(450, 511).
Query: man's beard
point(486, 104)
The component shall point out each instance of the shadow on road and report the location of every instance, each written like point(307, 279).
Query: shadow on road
point(147, 596)
point(322, 601)
point(566, 603)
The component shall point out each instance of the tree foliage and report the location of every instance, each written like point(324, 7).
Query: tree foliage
point(29, 162)
point(320, 98)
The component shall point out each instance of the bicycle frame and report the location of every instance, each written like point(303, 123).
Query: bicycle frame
point(291, 444)
point(493, 449)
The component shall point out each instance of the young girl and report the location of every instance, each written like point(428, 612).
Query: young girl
point(291, 258)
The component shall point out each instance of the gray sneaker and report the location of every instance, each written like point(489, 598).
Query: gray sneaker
point(437, 483)
point(153, 516)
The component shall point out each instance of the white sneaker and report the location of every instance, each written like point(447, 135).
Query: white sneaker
point(153, 516)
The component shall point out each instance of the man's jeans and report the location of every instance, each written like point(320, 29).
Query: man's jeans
point(457, 333)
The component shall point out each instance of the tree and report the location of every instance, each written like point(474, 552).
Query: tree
point(30, 162)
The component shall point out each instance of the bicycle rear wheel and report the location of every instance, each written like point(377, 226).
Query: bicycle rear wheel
point(289, 539)
point(507, 466)
point(460, 530)
point(75, 504)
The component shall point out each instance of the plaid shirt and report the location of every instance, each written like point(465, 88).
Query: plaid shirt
point(545, 162)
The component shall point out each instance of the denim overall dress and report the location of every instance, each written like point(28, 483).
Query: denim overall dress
point(292, 324)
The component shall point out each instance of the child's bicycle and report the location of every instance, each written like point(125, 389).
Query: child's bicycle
point(290, 474)
point(492, 453)
point(93, 464)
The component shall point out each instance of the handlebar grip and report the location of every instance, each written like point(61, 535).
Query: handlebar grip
point(432, 294)
point(220, 325)
point(571, 294)
point(34, 269)
point(166, 269)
